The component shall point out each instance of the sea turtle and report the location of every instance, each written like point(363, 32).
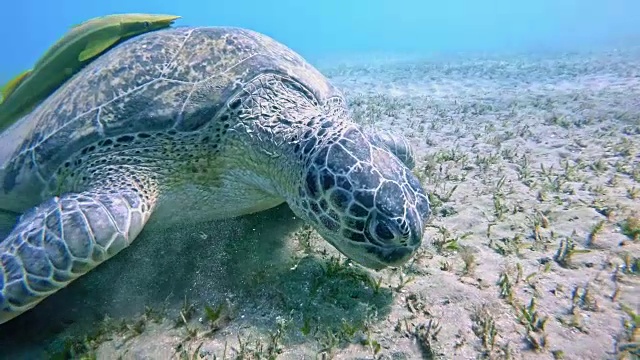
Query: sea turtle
point(187, 124)
point(80, 45)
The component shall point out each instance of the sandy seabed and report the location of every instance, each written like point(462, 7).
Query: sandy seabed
point(533, 252)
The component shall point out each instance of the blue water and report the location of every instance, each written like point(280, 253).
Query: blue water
point(330, 27)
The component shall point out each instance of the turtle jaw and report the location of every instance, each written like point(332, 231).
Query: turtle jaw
point(373, 256)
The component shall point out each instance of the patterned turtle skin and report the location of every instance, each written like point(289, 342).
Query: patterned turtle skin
point(191, 124)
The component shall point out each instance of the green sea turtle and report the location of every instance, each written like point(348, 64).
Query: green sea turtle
point(186, 124)
point(80, 45)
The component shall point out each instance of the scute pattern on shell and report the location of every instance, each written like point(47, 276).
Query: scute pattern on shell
point(174, 79)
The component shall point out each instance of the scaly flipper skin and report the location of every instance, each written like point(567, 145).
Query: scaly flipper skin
point(62, 239)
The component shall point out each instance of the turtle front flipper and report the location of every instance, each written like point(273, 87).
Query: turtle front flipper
point(398, 145)
point(61, 240)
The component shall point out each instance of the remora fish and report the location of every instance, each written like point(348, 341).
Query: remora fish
point(79, 46)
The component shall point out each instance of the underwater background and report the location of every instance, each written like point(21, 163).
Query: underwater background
point(331, 27)
point(525, 121)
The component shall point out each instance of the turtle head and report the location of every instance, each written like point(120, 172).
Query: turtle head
point(364, 200)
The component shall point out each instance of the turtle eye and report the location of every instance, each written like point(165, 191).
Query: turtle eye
point(146, 24)
point(383, 232)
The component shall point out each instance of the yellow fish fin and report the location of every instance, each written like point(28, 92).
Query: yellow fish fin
point(12, 84)
point(96, 47)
